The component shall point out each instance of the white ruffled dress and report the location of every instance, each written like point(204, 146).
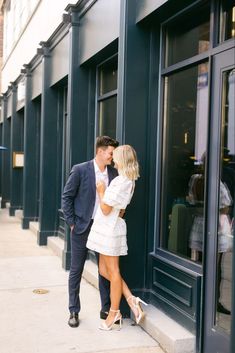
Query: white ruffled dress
point(108, 232)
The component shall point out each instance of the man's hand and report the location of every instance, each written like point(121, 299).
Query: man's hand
point(121, 213)
point(72, 227)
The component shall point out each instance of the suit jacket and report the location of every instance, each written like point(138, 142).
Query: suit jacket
point(78, 199)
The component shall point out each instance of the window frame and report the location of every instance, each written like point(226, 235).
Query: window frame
point(221, 25)
point(198, 59)
point(65, 162)
point(215, 47)
point(101, 98)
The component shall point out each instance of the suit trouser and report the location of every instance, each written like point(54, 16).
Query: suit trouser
point(78, 258)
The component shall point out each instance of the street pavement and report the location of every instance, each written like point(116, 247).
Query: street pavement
point(36, 322)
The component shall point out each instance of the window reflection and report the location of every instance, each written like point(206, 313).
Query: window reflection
point(227, 22)
point(188, 37)
point(226, 206)
point(185, 143)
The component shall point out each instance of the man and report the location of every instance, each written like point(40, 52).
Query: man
point(79, 203)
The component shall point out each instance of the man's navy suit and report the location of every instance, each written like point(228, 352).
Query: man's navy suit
point(78, 201)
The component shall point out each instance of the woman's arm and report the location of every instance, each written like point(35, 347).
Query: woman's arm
point(106, 209)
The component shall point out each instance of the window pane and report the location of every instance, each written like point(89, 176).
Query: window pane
point(107, 117)
point(108, 77)
point(187, 37)
point(226, 204)
point(185, 143)
point(227, 23)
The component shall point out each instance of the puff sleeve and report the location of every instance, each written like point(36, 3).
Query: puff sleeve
point(118, 194)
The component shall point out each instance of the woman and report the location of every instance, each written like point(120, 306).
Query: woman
point(108, 233)
point(196, 198)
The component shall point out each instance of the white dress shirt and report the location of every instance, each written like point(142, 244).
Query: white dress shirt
point(99, 176)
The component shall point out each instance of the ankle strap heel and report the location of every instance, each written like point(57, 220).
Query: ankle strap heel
point(118, 317)
point(134, 303)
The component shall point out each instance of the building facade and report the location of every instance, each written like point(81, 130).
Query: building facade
point(156, 74)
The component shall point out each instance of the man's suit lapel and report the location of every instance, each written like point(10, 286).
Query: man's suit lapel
point(91, 170)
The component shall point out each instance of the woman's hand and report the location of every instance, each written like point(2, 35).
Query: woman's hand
point(100, 187)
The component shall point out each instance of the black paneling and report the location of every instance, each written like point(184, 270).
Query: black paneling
point(177, 292)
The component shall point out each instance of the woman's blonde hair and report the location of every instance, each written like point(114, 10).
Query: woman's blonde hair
point(125, 158)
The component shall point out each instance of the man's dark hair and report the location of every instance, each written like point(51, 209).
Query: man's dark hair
point(105, 142)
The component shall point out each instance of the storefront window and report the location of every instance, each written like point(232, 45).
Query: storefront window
point(107, 98)
point(187, 37)
point(108, 77)
point(227, 20)
point(226, 205)
point(184, 153)
point(107, 117)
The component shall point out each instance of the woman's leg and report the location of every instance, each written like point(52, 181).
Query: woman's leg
point(109, 268)
point(102, 267)
point(104, 272)
point(104, 289)
point(125, 290)
point(129, 298)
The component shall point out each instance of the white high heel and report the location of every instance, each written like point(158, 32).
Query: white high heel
point(135, 303)
point(109, 327)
